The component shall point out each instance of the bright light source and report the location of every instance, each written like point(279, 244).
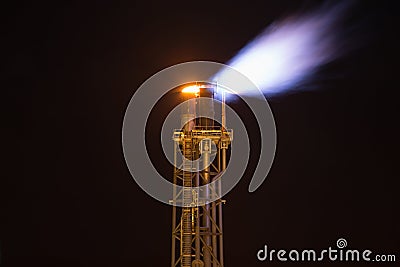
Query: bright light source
point(193, 89)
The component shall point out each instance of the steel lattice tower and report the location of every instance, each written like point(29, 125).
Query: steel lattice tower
point(197, 237)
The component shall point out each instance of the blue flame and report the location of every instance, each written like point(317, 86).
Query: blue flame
point(289, 51)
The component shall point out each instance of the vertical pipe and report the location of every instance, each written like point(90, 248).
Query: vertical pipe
point(221, 245)
point(173, 245)
point(188, 115)
point(206, 219)
point(221, 157)
point(197, 237)
point(205, 107)
point(223, 114)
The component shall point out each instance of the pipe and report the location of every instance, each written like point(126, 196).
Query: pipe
point(206, 220)
point(205, 106)
point(223, 111)
point(197, 229)
point(173, 244)
point(221, 244)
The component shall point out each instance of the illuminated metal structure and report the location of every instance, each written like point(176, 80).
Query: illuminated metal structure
point(197, 238)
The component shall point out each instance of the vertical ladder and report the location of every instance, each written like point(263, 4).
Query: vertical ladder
point(186, 240)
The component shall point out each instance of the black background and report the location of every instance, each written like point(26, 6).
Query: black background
point(68, 73)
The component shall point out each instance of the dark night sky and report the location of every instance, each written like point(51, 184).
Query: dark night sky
point(68, 72)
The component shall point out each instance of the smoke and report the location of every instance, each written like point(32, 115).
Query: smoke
point(291, 50)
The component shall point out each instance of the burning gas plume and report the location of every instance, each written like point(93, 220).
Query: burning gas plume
point(290, 51)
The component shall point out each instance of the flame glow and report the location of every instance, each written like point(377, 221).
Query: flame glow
point(289, 51)
point(192, 89)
